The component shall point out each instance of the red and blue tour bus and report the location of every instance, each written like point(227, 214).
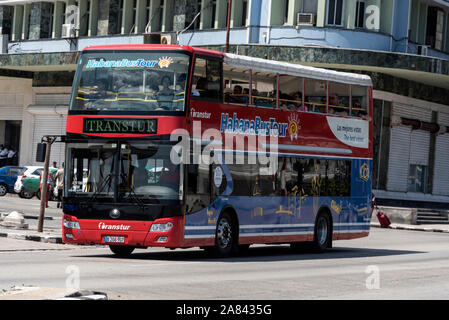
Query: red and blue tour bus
point(174, 146)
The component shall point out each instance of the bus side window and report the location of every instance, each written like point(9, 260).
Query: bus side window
point(207, 80)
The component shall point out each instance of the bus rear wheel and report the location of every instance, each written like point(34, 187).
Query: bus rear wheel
point(122, 251)
point(322, 238)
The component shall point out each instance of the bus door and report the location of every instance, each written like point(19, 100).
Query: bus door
point(198, 195)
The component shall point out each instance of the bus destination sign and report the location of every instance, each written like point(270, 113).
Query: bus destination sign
point(120, 126)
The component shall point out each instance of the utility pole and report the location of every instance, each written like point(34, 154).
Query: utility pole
point(44, 180)
point(228, 25)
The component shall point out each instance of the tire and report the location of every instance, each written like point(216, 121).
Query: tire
point(26, 194)
point(38, 194)
point(3, 190)
point(226, 236)
point(322, 237)
point(122, 251)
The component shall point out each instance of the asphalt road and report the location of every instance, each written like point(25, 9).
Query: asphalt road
point(389, 264)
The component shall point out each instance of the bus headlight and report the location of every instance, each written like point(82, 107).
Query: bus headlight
point(71, 224)
point(159, 227)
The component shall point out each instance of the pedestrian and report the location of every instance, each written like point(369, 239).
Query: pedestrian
point(4, 156)
point(11, 155)
point(55, 165)
point(49, 180)
point(59, 177)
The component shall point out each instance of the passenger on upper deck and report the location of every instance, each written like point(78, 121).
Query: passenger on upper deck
point(237, 96)
point(297, 96)
point(180, 92)
point(99, 91)
point(181, 82)
point(357, 110)
point(333, 106)
point(320, 108)
point(166, 83)
point(200, 87)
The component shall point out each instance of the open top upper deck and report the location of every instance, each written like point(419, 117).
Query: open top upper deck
point(311, 110)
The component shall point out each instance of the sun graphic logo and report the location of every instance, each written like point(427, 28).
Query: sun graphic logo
point(364, 172)
point(165, 62)
point(293, 126)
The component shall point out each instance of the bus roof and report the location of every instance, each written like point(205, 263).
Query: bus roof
point(297, 70)
point(245, 62)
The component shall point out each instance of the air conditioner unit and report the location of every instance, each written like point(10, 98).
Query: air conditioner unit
point(306, 19)
point(68, 31)
point(422, 50)
point(168, 38)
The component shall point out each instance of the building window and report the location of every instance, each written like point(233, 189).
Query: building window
point(87, 18)
point(286, 4)
point(52, 10)
point(63, 14)
point(134, 15)
point(434, 28)
point(120, 17)
point(417, 178)
point(214, 12)
point(244, 12)
point(335, 12)
point(360, 14)
point(199, 7)
point(309, 6)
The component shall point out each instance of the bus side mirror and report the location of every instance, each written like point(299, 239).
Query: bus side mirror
point(40, 153)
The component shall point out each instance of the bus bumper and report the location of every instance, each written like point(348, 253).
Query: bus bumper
point(166, 232)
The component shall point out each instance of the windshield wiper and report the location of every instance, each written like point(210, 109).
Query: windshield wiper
point(132, 191)
point(100, 188)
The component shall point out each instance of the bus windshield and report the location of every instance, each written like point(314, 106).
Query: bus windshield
point(122, 171)
point(130, 81)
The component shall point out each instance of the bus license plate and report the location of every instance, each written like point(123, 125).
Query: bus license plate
point(114, 239)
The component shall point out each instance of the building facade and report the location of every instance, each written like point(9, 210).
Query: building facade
point(402, 44)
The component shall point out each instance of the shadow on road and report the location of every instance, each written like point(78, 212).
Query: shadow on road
point(259, 254)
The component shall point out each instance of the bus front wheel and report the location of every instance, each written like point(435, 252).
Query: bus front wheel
point(121, 251)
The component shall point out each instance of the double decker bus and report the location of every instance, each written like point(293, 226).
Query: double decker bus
point(176, 146)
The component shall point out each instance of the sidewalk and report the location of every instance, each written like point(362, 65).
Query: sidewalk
point(46, 293)
point(423, 227)
point(52, 230)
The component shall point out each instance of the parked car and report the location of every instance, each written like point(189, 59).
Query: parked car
point(31, 171)
point(28, 185)
point(8, 177)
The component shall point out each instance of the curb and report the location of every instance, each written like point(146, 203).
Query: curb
point(38, 238)
point(410, 228)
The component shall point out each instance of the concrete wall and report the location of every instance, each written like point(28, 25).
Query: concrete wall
point(15, 96)
point(397, 215)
